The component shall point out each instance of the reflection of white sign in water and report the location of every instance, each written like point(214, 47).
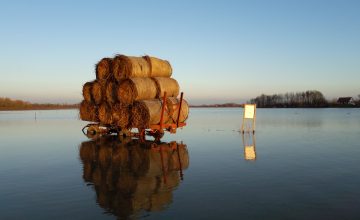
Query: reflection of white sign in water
point(249, 111)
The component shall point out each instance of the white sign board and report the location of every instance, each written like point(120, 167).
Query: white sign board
point(249, 111)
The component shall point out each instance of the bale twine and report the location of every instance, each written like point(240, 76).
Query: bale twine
point(168, 85)
point(98, 92)
point(111, 92)
point(121, 115)
point(105, 115)
point(134, 89)
point(88, 112)
point(147, 112)
point(86, 91)
point(173, 109)
point(126, 66)
point(103, 69)
point(159, 67)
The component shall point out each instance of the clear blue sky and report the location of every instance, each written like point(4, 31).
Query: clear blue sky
point(221, 51)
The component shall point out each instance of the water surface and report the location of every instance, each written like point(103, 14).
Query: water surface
point(301, 164)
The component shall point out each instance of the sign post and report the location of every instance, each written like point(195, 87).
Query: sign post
point(249, 115)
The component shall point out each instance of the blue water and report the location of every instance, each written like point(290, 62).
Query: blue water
point(300, 164)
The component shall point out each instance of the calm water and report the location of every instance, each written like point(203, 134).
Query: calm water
point(301, 164)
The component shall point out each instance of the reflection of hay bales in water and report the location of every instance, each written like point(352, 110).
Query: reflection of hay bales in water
point(120, 156)
point(103, 69)
point(129, 176)
point(105, 156)
point(97, 92)
point(128, 66)
point(134, 89)
point(168, 85)
point(87, 90)
point(160, 200)
point(88, 112)
point(111, 92)
point(87, 171)
point(159, 67)
point(173, 108)
point(147, 112)
point(87, 151)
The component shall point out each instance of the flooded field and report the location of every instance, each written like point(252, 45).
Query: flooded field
point(300, 164)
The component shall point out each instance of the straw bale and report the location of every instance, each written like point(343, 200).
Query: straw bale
point(127, 66)
point(159, 67)
point(147, 112)
point(105, 115)
point(98, 92)
point(111, 92)
point(173, 109)
point(86, 91)
point(121, 115)
point(134, 89)
point(88, 112)
point(103, 69)
point(168, 85)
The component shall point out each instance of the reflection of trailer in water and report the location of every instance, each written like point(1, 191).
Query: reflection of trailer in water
point(155, 130)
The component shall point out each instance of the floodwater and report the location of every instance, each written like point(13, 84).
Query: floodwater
point(300, 164)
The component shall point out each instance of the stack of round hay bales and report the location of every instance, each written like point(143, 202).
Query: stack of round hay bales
point(130, 176)
point(128, 93)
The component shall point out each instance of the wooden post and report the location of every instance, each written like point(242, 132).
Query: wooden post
point(162, 111)
point(178, 117)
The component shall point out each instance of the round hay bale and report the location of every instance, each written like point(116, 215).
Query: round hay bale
point(134, 89)
point(97, 92)
point(86, 91)
point(121, 115)
point(173, 109)
point(88, 112)
point(168, 85)
point(159, 67)
point(147, 112)
point(126, 66)
point(111, 92)
point(103, 69)
point(105, 115)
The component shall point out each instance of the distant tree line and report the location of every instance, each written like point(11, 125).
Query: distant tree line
point(311, 98)
point(10, 104)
